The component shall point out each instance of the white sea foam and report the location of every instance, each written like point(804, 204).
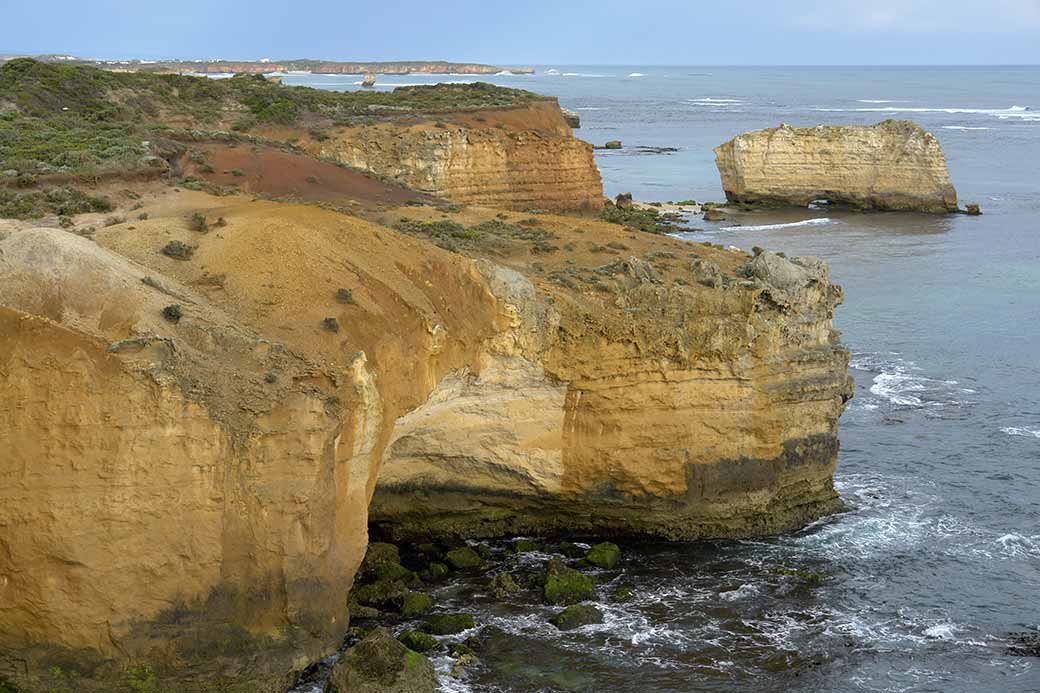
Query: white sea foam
point(708, 101)
point(1019, 431)
point(901, 384)
point(1020, 112)
point(790, 225)
point(874, 100)
point(743, 592)
point(636, 74)
point(962, 127)
point(581, 74)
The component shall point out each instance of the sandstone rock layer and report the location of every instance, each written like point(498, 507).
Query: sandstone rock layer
point(893, 165)
point(522, 158)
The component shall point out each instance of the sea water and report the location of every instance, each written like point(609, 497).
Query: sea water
point(937, 559)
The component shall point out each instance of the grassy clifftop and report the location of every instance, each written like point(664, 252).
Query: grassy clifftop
point(83, 120)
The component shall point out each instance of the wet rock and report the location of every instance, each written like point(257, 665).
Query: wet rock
point(576, 616)
point(415, 604)
point(1024, 644)
point(362, 612)
point(523, 546)
point(571, 550)
point(564, 586)
point(604, 555)
point(706, 272)
point(448, 624)
point(379, 554)
point(382, 664)
point(457, 649)
point(464, 558)
point(713, 214)
point(612, 144)
point(503, 584)
point(418, 641)
point(484, 551)
point(381, 593)
point(622, 594)
point(466, 661)
point(972, 209)
point(435, 571)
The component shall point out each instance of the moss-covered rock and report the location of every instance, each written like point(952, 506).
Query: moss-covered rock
point(464, 558)
point(382, 664)
point(362, 612)
point(418, 641)
point(503, 584)
point(621, 594)
point(415, 604)
point(564, 586)
point(448, 624)
point(393, 571)
point(576, 616)
point(435, 571)
point(523, 546)
point(380, 594)
point(379, 556)
point(605, 555)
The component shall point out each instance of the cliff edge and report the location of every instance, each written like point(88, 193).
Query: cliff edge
point(893, 165)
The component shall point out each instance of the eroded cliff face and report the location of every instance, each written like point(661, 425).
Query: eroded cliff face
point(194, 495)
point(894, 165)
point(521, 158)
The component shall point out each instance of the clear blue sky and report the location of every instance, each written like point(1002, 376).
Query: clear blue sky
point(535, 32)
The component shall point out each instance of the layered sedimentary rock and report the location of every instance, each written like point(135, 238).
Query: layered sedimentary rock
point(893, 165)
point(522, 158)
point(701, 410)
point(189, 491)
point(192, 495)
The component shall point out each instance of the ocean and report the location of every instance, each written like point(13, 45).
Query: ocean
point(918, 586)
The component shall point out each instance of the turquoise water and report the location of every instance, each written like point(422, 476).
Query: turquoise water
point(938, 558)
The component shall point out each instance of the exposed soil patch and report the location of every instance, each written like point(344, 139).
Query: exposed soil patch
point(285, 174)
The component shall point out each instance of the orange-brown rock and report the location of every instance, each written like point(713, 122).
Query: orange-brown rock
point(521, 158)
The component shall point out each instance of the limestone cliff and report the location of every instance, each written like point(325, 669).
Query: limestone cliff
point(190, 492)
point(193, 495)
point(517, 158)
point(894, 165)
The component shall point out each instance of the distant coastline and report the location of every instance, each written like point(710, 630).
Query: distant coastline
point(265, 66)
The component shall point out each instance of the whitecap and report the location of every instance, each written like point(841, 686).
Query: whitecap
point(1018, 431)
point(962, 127)
point(581, 74)
point(874, 100)
point(636, 74)
point(941, 631)
point(708, 101)
point(790, 225)
point(552, 71)
point(1021, 112)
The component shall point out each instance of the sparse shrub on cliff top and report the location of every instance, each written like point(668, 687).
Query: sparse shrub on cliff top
point(63, 201)
point(197, 222)
point(178, 250)
point(330, 324)
point(172, 313)
point(344, 296)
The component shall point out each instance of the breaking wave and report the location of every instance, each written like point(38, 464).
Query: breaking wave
point(900, 384)
point(1021, 112)
point(1018, 431)
point(822, 221)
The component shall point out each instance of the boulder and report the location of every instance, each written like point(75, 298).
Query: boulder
point(706, 272)
point(604, 555)
point(623, 201)
point(972, 209)
point(418, 641)
point(503, 584)
point(572, 118)
point(893, 165)
point(564, 585)
point(448, 624)
point(382, 664)
point(415, 604)
point(463, 558)
point(576, 616)
point(612, 144)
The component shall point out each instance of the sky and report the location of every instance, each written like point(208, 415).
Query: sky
point(537, 32)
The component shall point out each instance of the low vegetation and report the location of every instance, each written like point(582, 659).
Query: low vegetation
point(64, 201)
point(648, 220)
point(82, 120)
point(488, 235)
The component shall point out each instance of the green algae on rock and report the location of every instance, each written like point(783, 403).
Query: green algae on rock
point(604, 555)
point(382, 664)
point(448, 624)
point(564, 585)
point(464, 558)
point(418, 641)
point(576, 616)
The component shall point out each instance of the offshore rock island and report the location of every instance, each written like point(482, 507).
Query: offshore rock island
point(241, 321)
